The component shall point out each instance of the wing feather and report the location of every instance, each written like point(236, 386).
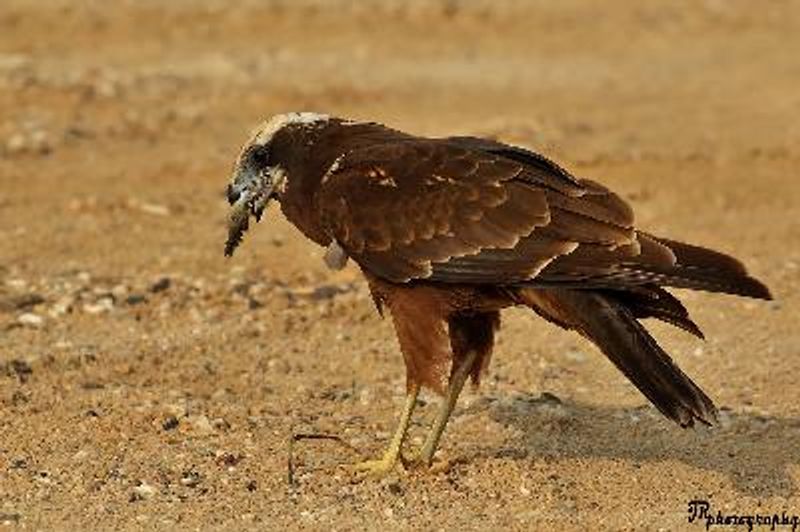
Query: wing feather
point(445, 211)
point(467, 210)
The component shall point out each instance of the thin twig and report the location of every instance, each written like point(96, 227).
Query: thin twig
point(307, 436)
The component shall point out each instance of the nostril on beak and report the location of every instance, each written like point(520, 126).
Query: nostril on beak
point(233, 194)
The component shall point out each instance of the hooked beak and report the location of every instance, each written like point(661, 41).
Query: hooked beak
point(248, 194)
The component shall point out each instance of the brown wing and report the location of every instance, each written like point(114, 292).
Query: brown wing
point(446, 211)
point(467, 210)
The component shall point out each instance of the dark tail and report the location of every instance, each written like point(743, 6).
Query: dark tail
point(700, 268)
point(660, 262)
point(612, 325)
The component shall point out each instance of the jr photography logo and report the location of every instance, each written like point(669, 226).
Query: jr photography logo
point(702, 513)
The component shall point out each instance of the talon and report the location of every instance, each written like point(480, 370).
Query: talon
point(392, 457)
point(377, 468)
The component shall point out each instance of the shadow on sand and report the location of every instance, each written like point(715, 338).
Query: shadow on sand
point(754, 451)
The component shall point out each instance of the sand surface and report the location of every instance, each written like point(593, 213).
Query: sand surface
point(147, 382)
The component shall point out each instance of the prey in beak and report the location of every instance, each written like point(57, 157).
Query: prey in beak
point(259, 175)
point(248, 193)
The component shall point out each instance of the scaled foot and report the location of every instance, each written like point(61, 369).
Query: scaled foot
point(378, 468)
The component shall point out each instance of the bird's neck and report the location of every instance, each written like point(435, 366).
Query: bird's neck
point(313, 150)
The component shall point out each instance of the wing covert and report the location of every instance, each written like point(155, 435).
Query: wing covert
point(438, 210)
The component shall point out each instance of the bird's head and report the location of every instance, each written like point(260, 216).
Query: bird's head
point(259, 175)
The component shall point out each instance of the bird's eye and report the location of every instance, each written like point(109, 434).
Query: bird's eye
point(259, 156)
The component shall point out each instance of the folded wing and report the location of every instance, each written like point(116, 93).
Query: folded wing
point(466, 210)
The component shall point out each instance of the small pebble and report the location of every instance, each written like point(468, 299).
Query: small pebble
point(135, 299)
point(170, 423)
point(144, 491)
point(162, 284)
point(191, 479)
point(228, 459)
point(152, 208)
point(30, 319)
point(119, 291)
point(201, 425)
point(104, 304)
point(81, 455)
point(63, 306)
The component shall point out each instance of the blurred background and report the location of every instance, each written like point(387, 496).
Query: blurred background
point(156, 383)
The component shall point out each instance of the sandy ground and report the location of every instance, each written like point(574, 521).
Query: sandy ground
point(147, 382)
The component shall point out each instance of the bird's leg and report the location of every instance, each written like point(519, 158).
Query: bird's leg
point(457, 381)
point(388, 461)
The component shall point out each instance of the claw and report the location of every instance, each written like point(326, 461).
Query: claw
point(378, 468)
point(393, 456)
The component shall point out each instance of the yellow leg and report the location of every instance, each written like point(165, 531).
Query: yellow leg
point(446, 408)
point(388, 461)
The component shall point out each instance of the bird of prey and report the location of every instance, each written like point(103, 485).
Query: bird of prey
point(449, 231)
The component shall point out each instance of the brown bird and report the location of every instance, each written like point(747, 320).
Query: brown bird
point(449, 231)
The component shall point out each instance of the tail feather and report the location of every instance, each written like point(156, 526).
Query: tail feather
point(660, 261)
point(613, 327)
point(708, 280)
point(652, 301)
point(701, 268)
